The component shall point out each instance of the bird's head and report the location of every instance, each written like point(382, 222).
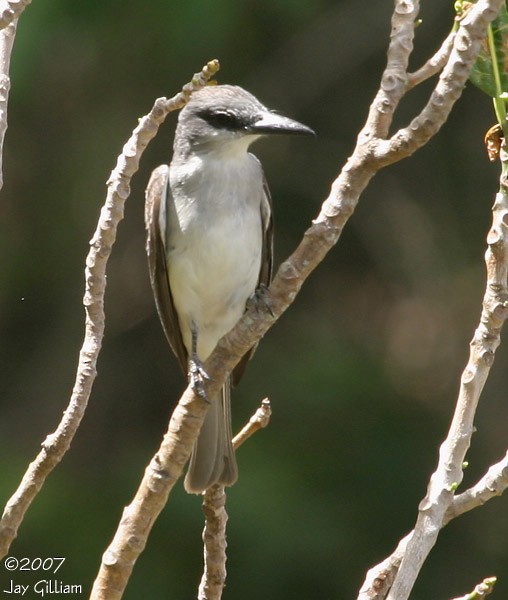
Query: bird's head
point(227, 116)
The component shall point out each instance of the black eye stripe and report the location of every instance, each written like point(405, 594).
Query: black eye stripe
point(221, 119)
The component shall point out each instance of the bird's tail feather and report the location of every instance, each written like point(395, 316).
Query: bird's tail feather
point(213, 457)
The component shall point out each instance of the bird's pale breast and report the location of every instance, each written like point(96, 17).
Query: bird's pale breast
point(214, 263)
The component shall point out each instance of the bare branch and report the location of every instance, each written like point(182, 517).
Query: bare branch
point(433, 65)
point(380, 578)
point(440, 494)
point(214, 540)
point(6, 43)
point(214, 509)
point(56, 444)
point(492, 484)
point(434, 507)
point(394, 79)
point(10, 10)
point(259, 420)
point(481, 590)
point(466, 45)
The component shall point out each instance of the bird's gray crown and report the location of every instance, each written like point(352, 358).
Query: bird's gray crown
point(226, 107)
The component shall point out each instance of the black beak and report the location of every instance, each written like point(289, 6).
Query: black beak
point(270, 123)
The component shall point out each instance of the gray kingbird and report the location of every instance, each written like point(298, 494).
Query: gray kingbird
point(208, 218)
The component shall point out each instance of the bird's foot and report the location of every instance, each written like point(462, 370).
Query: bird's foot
point(261, 300)
point(198, 377)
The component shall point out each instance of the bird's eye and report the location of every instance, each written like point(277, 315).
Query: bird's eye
point(221, 119)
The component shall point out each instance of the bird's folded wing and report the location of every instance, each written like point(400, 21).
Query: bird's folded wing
point(156, 192)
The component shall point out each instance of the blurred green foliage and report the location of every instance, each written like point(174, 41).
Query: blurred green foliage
point(362, 371)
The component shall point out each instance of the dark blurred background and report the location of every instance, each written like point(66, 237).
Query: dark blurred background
point(362, 371)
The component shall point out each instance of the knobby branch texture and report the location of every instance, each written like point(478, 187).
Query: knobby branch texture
point(214, 509)
point(214, 543)
point(396, 574)
point(56, 444)
point(434, 510)
point(434, 65)
point(491, 485)
point(380, 578)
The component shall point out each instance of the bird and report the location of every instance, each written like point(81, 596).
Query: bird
point(208, 219)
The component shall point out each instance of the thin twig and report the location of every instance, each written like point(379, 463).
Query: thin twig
point(56, 444)
point(393, 80)
point(259, 420)
point(466, 46)
point(10, 10)
point(448, 474)
point(492, 484)
point(7, 36)
point(379, 578)
point(483, 589)
point(214, 544)
point(433, 65)
point(214, 509)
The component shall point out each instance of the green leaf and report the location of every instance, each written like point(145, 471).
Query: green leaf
point(490, 72)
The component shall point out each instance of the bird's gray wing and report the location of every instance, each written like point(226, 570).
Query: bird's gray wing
point(265, 272)
point(155, 203)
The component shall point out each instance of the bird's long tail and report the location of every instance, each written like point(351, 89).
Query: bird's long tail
point(213, 457)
